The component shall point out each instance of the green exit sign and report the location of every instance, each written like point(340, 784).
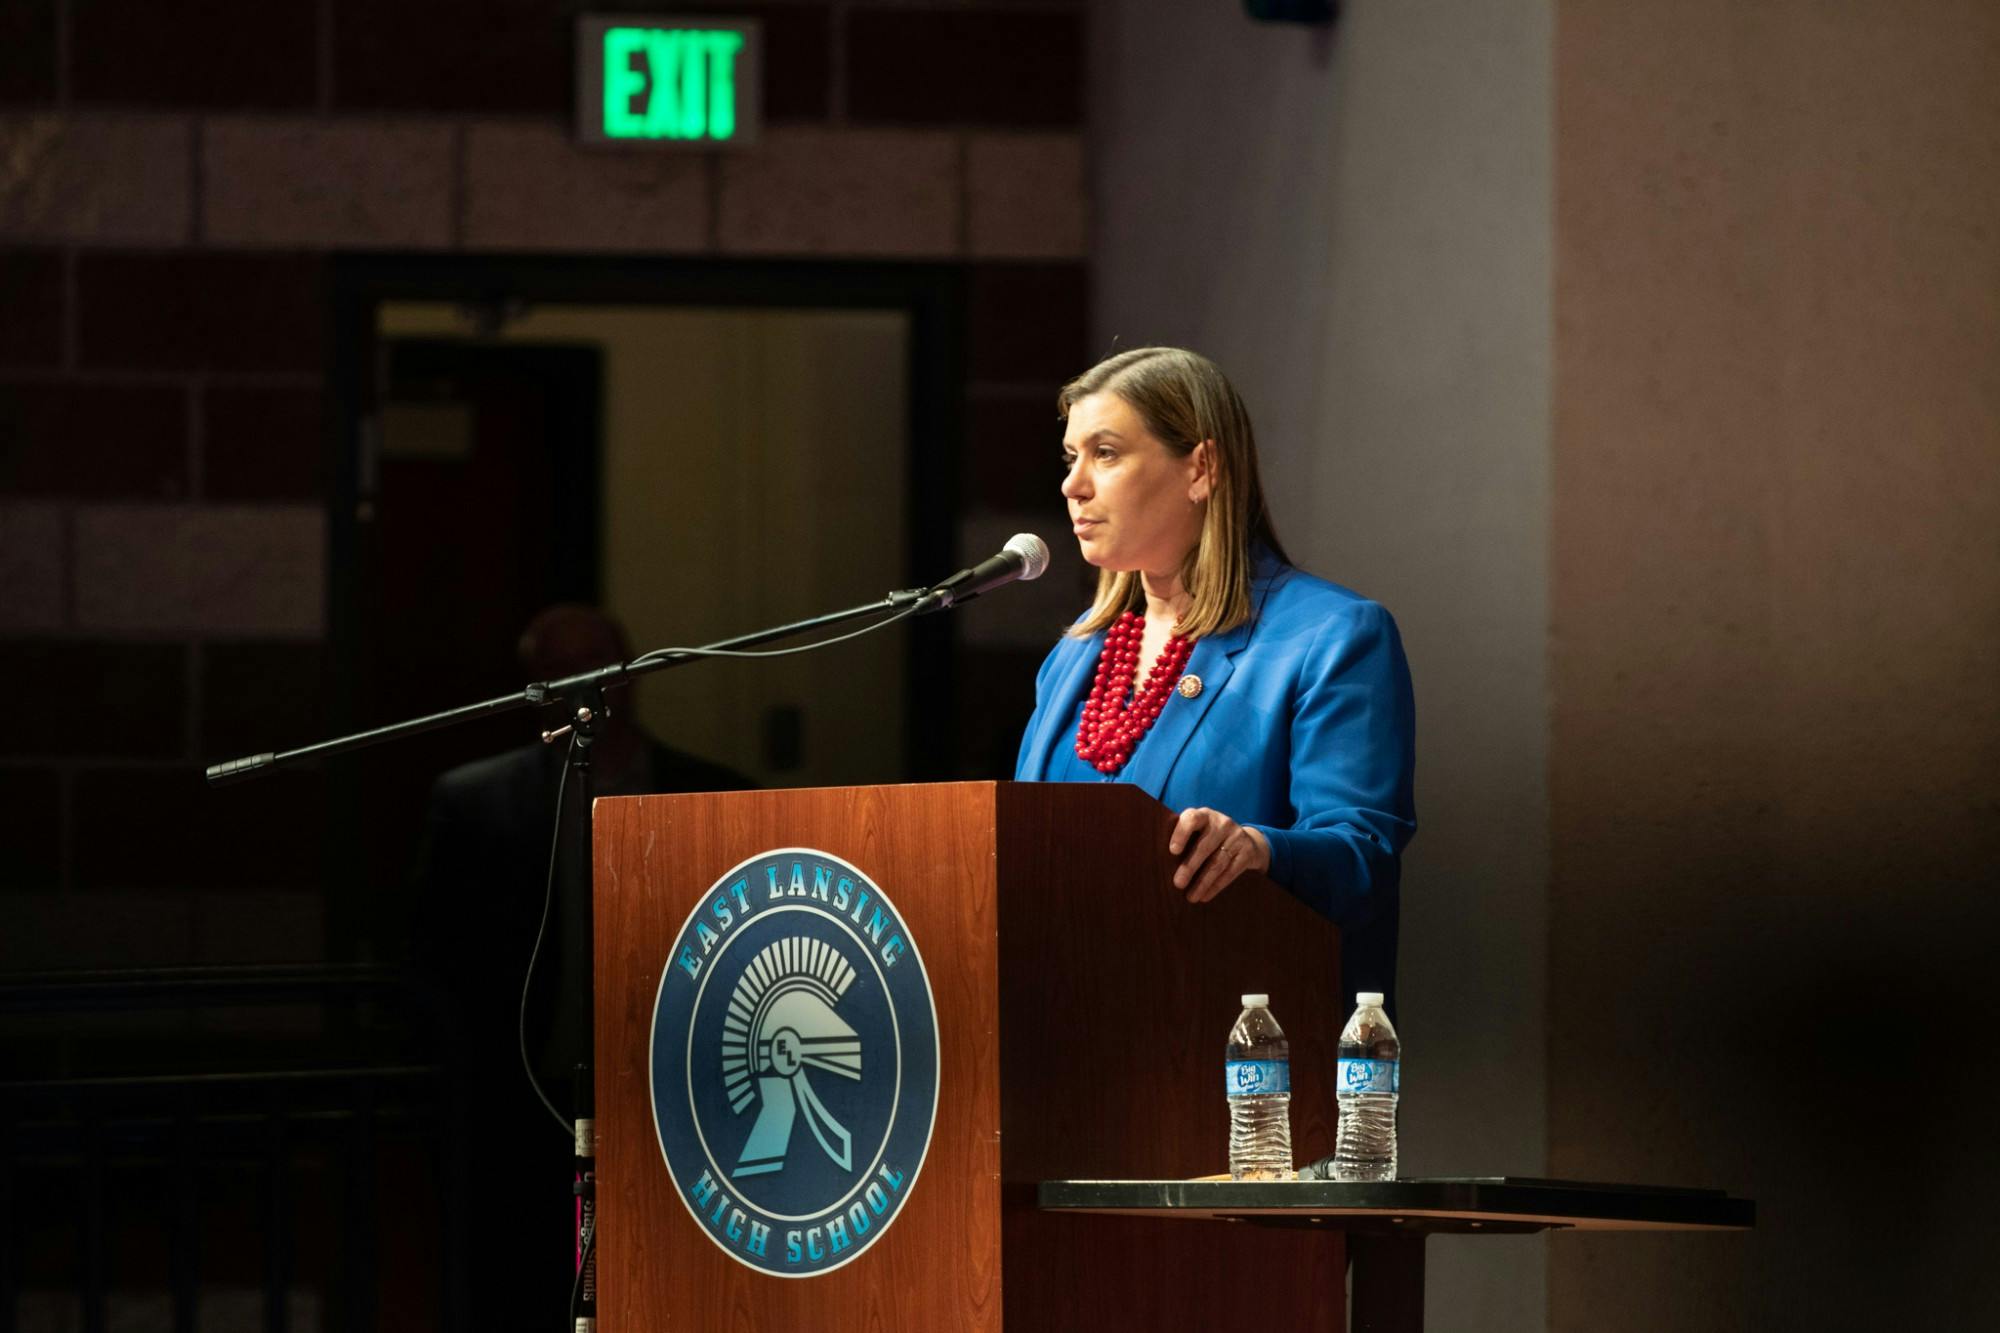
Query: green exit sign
point(658, 80)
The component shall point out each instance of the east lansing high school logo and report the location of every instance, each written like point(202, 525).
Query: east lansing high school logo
point(788, 994)
point(794, 1063)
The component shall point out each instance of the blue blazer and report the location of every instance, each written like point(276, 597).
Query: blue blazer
point(1305, 728)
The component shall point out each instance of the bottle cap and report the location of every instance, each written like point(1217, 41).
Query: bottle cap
point(1256, 1001)
point(1368, 999)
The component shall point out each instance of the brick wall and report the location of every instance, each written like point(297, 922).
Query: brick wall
point(171, 180)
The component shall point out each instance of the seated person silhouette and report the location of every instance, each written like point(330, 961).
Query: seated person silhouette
point(482, 879)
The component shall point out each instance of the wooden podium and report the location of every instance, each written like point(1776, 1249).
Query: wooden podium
point(1082, 1008)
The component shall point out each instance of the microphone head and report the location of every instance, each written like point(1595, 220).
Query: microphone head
point(1034, 553)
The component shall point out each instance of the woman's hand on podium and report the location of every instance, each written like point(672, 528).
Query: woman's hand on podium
point(1218, 850)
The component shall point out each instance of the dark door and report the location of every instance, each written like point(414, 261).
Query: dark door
point(480, 511)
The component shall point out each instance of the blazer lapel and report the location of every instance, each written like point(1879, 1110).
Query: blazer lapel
point(1072, 680)
point(1213, 660)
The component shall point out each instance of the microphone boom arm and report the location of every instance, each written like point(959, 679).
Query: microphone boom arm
point(585, 684)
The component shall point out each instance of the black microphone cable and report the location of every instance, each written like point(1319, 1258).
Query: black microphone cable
point(555, 839)
point(541, 932)
point(662, 654)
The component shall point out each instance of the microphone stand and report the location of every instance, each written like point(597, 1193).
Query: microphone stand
point(583, 693)
point(585, 690)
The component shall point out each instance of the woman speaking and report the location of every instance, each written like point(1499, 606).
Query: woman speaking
point(1271, 708)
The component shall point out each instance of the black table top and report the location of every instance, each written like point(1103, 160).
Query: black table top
point(1465, 1204)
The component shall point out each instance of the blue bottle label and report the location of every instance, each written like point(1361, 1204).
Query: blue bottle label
point(1370, 1076)
point(1257, 1078)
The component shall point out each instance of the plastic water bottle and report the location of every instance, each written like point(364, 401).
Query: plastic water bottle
point(1259, 1078)
point(1370, 1061)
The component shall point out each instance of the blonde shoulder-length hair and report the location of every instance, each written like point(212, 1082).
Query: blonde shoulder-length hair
point(1185, 399)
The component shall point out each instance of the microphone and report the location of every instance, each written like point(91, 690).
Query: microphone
point(1025, 556)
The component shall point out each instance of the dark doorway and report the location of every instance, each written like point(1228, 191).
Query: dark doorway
point(438, 559)
point(482, 510)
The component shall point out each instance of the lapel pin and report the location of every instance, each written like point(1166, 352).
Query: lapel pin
point(1190, 685)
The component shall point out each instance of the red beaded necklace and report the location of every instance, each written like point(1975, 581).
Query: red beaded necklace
point(1112, 726)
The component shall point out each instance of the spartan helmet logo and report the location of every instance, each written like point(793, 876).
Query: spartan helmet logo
point(780, 1024)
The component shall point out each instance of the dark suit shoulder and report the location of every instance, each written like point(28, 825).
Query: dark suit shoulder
point(676, 771)
point(522, 765)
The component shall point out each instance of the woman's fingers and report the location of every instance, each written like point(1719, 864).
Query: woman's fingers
point(1221, 850)
point(1195, 834)
point(1221, 869)
point(1211, 831)
point(1189, 824)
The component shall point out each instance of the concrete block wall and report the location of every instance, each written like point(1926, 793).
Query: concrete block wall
point(172, 180)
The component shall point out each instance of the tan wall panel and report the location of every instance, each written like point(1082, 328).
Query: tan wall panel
point(1775, 601)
